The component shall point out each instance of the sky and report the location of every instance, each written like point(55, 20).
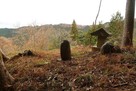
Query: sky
point(17, 13)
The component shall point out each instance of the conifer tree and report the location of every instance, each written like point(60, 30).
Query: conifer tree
point(74, 31)
point(116, 27)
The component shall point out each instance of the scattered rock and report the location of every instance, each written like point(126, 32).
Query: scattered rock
point(95, 49)
point(117, 49)
point(25, 53)
point(109, 48)
point(28, 53)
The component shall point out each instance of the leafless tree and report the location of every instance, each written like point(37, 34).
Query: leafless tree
point(5, 78)
point(98, 12)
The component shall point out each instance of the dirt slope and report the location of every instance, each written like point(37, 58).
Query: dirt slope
point(87, 71)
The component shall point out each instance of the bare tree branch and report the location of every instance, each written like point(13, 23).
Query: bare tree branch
point(98, 12)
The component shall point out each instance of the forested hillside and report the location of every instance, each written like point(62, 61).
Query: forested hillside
point(71, 57)
point(7, 32)
point(48, 37)
point(10, 32)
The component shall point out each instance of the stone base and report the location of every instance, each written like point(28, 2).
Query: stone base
point(94, 49)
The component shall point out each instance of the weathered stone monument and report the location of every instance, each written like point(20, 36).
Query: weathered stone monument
point(65, 50)
point(101, 35)
point(108, 48)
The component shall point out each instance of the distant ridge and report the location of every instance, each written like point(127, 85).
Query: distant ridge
point(7, 32)
point(10, 32)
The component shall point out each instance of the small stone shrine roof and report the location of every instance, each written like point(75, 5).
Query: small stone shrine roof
point(101, 32)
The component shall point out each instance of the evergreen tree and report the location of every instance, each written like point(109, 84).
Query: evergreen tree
point(92, 39)
point(116, 27)
point(74, 31)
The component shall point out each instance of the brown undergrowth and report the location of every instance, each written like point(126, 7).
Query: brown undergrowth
point(87, 71)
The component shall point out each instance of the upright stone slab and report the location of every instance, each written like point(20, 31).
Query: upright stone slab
point(65, 50)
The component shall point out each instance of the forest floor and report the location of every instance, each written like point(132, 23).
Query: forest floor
point(87, 71)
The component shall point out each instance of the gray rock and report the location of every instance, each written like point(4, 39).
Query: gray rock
point(108, 48)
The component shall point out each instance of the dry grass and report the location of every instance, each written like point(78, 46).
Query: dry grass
point(87, 71)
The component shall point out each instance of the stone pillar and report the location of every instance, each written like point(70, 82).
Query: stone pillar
point(65, 50)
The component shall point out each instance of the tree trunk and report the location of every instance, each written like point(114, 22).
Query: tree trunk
point(5, 58)
point(127, 40)
point(5, 78)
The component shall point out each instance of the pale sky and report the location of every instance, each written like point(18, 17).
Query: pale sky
point(16, 13)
